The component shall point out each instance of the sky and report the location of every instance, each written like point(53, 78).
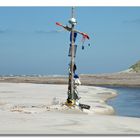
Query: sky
point(31, 43)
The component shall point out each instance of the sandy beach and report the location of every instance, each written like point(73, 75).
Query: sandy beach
point(27, 108)
point(47, 52)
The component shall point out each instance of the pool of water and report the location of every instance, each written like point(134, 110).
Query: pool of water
point(127, 103)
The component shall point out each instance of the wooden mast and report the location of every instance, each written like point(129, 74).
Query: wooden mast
point(72, 57)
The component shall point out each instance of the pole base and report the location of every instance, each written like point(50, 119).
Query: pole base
point(70, 102)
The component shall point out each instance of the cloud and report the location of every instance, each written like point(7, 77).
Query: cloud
point(48, 32)
point(134, 21)
point(2, 31)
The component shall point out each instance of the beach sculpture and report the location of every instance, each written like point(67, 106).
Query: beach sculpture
point(73, 81)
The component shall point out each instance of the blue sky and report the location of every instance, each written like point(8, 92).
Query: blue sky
point(30, 43)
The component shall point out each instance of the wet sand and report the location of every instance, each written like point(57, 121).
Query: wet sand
point(27, 108)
